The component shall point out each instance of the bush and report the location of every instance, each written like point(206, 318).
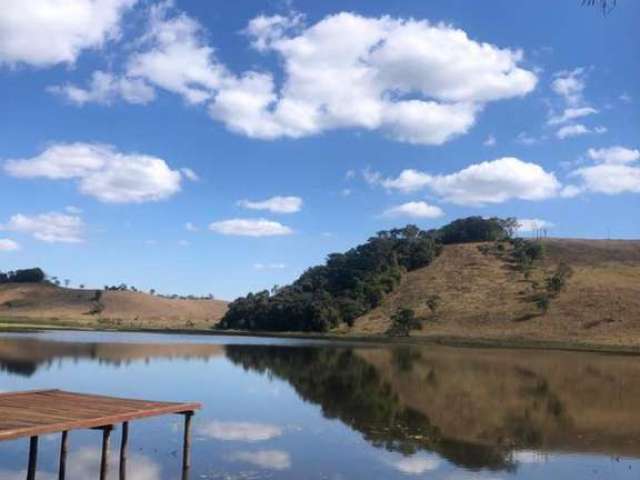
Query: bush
point(558, 280)
point(433, 302)
point(402, 322)
point(474, 229)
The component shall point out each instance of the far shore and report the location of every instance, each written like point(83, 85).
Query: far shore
point(31, 325)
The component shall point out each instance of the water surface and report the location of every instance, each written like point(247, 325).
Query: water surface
point(289, 409)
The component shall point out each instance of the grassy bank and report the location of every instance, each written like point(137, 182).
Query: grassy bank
point(28, 325)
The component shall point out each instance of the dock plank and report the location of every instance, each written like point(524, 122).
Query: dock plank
point(40, 412)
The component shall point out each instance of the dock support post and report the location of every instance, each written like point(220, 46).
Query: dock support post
point(186, 446)
point(62, 471)
point(123, 450)
point(104, 461)
point(33, 458)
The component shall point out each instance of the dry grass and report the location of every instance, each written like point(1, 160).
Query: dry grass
point(117, 309)
point(485, 296)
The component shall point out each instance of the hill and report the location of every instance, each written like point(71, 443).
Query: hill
point(44, 302)
point(482, 294)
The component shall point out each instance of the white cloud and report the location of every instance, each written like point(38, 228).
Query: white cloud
point(414, 81)
point(102, 172)
point(8, 245)
point(610, 179)
point(184, 243)
point(533, 224)
point(409, 180)
point(416, 465)
point(578, 129)
point(490, 141)
point(248, 227)
point(105, 88)
point(46, 32)
point(373, 73)
point(176, 58)
point(49, 227)
point(414, 210)
point(529, 456)
point(571, 114)
point(570, 85)
point(239, 431)
point(269, 266)
point(614, 155)
point(269, 459)
point(483, 183)
point(190, 227)
point(277, 204)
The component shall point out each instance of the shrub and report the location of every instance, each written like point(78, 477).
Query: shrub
point(402, 322)
point(558, 280)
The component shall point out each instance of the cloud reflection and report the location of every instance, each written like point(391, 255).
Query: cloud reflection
point(239, 431)
point(416, 465)
point(85, 464)
point(269, 459)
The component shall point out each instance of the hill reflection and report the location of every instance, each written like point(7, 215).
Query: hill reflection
point(476, 408)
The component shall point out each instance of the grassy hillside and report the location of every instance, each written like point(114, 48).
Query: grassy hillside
point(43, 302)
point(483, 294)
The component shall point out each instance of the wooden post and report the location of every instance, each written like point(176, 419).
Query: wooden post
point(186, 446)
point(33, 458)
point(62, 471)
point(104, 461)
point(123, 450)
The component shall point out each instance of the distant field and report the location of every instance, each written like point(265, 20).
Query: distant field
point(49, 305)
point(485, 296)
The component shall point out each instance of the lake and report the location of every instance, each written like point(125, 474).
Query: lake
point(292, 409)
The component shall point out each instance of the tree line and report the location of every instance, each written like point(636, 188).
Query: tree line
point(350, 284)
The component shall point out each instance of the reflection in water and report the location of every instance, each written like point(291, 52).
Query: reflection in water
point(23, 356)
point(428, 411)
point(238, 431)
point(473, 407)
point(84, 464)
point(269, 459)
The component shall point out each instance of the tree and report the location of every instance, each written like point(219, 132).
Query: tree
point(152, 291)
point(81, 286)
point(402, 322)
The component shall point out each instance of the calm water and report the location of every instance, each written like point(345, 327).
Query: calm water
point(278, 409)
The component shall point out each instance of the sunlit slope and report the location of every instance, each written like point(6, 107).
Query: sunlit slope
point(485, 295)
point(117, 308)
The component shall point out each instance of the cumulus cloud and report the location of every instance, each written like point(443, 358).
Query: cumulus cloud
point(49, 227)
point(413, 80)
point(269, 459)
point(47, 32)
point(190, 227)
point(8, 245)
point(277, 204)
point(250, 227)
point(239, 431)
point(614, 155)
point(414, 210)
point(570, 84)
point(102, 172)
point(494, 181)
point(189, 174)
point(105, 88)
point(409, 180)
point(615, 171)
point(175, 57)
point(577, 130)
point(526, 225)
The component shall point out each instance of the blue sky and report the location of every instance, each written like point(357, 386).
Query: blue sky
point(223, 147)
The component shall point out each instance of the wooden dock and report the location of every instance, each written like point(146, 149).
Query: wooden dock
point(42, 412)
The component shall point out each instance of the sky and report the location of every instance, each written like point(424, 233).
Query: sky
point(224, 147)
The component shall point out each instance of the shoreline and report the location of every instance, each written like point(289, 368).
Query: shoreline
point(11, 326)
